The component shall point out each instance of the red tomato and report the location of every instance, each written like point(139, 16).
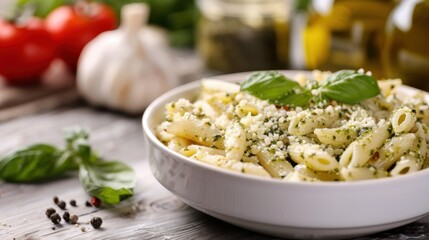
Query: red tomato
point(72, 27)
point(25, 51)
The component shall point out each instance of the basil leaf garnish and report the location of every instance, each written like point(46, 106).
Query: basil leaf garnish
point(345, 86)
point(351, 88)
point(338, 75)
point(269, 85)
point(300, 99)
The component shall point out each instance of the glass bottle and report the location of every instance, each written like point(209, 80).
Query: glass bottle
point(244, 35)
point(346, 34)
point(406, 53)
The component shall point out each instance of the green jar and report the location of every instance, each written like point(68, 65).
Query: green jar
point(244, 35)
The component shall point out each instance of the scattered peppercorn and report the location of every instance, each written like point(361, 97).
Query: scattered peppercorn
point(53, 228)
point(96, 222)
point(88, 204)
point(73, 219)
point(56, 200)
point(83, 229)
point(49, 212)
point(55, 218)
point(66, 216)
point(73, 203)
point(62, 205)
point(95, 202)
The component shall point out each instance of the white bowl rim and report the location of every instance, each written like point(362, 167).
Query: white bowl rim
point(150, 110)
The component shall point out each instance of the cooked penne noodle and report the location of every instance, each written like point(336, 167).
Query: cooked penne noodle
point(389, 87)
point(305, 122)
point(178, 143)
point(338, 137)
point(299, 177)
point(403, 120)
point(392, 150)
point(359, 152)
point(406, 165)
point(312, 156)
point(322, 176)
point(355, 174)
point(278, 168)
point(235, 142)
point(221, 161)
point(191, 128)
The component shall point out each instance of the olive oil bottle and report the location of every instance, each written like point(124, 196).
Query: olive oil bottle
point(346, 34)
point(406, 52)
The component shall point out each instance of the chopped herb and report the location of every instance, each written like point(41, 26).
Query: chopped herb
point(216, 138)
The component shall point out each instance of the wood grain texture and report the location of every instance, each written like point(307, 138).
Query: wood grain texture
point(153, 213)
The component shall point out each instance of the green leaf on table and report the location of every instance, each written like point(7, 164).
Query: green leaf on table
point(35, 163)
point(350, 88)
point(109, 181)
point(269, 85)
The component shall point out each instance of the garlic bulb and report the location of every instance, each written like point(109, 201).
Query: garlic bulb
point(127, 68)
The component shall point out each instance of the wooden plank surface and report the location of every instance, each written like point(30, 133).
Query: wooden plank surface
point(153, 213)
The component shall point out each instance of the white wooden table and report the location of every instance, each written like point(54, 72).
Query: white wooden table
point(153, 213)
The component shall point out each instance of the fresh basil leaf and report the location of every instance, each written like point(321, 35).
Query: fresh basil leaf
point(338, 76)
point(351, 88)
point(74, 133)
point(35, 163)
point(296, 99)
point(269, 85)
point(110, 181)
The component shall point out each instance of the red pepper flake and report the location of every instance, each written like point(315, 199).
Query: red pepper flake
point(375, 156)
point(286, 108)
point(95, 202)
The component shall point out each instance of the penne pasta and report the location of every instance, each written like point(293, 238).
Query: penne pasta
point(191, 128)
point(392, 150)
point(313, 157)
point(359, 152)
point(383, 136)
point(338, 137)
point(403, 120)
point(307, 121)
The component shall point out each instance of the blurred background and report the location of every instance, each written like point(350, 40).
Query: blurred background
point(108, 52)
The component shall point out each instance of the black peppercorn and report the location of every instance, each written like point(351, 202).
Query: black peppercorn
point(73, 203)
point(62, 205)
point(66, 216)
point(96, 222)
point(88, 204)
point(49, 212)
point(55, 218)
point(56, 200)
point(73, 219)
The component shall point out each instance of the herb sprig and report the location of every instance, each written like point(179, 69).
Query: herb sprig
point(345, 86)
point(110, 181)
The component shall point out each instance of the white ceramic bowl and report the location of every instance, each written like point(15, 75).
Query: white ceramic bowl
point(285, 209)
